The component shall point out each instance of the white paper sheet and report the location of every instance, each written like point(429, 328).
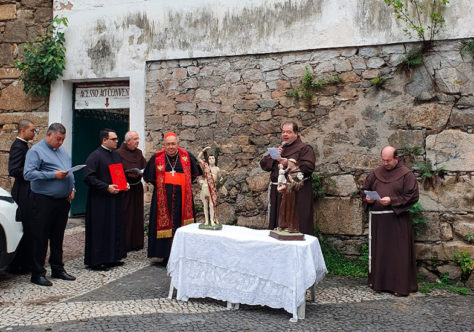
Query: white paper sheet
point(274, 153)
point(76, 168)
point(372, 195)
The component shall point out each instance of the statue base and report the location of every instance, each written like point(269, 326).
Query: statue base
point(286, 236)
point(216, 227)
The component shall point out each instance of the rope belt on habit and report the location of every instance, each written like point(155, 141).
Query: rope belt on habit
point(268, 199)
point(370, 233)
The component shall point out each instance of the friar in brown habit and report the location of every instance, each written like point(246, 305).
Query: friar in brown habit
point(133, 162)
point(393, 264)
point(292, 147)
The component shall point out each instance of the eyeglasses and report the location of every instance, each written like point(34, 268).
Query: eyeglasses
point(113, 139)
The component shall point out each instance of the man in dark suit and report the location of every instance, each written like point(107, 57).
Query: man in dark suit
point(21, 194)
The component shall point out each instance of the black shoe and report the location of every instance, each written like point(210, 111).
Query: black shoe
point(114, 264)
point(62, 275)
point(41, 280)
point(100, 267)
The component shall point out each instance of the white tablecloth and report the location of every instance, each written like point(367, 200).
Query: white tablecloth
point(243, 265)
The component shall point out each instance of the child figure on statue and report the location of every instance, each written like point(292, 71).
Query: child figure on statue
point(281, 186)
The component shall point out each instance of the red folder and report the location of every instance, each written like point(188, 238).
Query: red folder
point(118, 176)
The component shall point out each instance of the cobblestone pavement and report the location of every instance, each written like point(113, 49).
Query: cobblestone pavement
point(133, 297)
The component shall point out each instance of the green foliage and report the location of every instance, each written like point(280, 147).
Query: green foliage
point(413, 13)
point(413, 59)
point(445, 284)
point(467, 48)
point(338, 264)
point(231, 222)
point(417, 219)
point(375, 80)
point(430, 177)
point(379, 82)
point(425, 169)
point(308, 88)
point(423, 20)
point(365, 254)
point(469, 237)
point(414, 150)
point(45, 60)
point(435, 261)
point(409, 153)
point(319, 183)
point(325, 81)
point(465, 262)
point(198, 208)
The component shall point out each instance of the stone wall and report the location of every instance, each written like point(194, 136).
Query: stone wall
point(237, 103)
point(20, 22)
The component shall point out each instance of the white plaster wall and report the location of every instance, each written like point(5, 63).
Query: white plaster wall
point(114, 39)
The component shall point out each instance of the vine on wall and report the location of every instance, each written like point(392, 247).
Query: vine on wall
point(424, 21)
point(44, 60)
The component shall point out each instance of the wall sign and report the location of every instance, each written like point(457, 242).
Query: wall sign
point(113, 97)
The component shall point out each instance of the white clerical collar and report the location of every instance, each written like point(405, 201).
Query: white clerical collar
point(106, 148)
point(21, 139)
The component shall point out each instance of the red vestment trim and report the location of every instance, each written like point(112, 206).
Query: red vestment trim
point(164, 223)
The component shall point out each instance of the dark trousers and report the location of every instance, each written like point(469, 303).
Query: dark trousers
point(48, 222)
point(22, 260)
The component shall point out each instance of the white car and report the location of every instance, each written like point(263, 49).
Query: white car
point(11, 230)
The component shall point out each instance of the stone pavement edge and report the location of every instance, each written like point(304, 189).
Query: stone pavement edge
point(134, 297)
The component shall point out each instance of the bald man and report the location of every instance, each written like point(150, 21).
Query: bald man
point(392, 264)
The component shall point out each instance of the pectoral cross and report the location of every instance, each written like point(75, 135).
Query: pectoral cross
point(172, 172)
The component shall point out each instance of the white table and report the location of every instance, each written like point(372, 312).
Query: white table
point(243, 265)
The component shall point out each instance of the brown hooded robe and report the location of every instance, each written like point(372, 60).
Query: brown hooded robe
point(393, 258)
point(132, 200)
point(305, 158)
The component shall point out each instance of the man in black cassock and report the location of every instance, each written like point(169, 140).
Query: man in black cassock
point(21, 194)
point(105, 234)
point(392, 262)
point(171, 172)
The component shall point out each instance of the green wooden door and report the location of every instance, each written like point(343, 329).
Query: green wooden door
point(85, 139)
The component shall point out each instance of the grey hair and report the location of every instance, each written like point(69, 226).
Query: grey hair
point(24, 124)
point(56, 127)
point(128, 136)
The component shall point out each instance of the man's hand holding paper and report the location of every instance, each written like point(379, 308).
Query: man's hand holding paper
point(372, 195)
point(274, 153)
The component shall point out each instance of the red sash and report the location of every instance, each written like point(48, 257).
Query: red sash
point(164, 223)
